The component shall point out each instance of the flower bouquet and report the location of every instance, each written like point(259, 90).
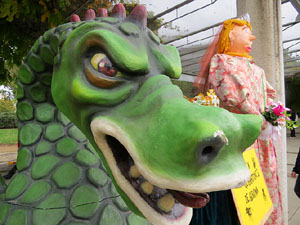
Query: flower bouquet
point(278, 115)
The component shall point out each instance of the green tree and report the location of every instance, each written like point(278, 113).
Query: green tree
point(23, 21)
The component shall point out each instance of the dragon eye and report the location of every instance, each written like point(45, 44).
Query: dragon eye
point(101, 63)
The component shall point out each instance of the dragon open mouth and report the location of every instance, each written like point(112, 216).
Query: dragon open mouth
point(162, 200)
point(170, 203)
point(163, 197)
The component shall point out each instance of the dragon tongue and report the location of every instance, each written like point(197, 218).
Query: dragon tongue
point(193, 200)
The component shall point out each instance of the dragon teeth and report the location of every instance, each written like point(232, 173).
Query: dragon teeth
point(134, 173)
point(166, 203)
point(147, 187)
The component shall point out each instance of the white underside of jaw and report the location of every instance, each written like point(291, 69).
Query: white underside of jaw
point(223, 182)
point(101, 128)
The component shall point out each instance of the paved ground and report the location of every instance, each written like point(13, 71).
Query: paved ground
point(9, 153)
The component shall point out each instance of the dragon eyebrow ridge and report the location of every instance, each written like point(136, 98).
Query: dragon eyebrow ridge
point(129, 58)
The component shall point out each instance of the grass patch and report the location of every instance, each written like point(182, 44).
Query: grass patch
point(9, 136)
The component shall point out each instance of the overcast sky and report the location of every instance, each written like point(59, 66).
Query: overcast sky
point(217, 12)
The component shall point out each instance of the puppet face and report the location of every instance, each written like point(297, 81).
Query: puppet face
point(241, 39)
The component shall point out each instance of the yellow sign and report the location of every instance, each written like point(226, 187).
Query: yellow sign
point(252, 201)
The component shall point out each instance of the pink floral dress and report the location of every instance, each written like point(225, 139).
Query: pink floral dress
point(243, 88)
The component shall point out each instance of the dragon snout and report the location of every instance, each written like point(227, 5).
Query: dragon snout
point(209, 148)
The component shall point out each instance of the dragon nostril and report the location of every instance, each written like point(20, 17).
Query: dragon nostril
point(209, 149)
point(208, 153)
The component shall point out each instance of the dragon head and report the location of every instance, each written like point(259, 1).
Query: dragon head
point(112, 80)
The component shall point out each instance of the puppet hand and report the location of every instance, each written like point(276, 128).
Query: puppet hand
point(266, 132)
point(270, 132)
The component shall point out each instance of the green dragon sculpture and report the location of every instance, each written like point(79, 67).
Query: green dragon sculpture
point(140, 147)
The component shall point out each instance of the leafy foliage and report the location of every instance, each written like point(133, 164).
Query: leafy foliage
point(7, 106)
point(8, 117)
point(8, 120)
point(23, 21)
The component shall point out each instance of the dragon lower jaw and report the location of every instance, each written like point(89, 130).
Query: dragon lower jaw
point(162, 201)
point(160, 206)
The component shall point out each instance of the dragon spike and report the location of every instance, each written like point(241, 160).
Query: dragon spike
point(74, 18)
point(90, 14)
point(139, 16)
point(118, 11)
point(102, 12)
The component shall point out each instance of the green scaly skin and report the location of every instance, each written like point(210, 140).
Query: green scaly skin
point(137, 117)
point(60, 179)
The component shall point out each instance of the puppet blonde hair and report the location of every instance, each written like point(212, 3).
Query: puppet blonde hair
point(220, 45)
point(224, 40)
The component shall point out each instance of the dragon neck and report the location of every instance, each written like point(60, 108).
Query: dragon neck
point(60, 178)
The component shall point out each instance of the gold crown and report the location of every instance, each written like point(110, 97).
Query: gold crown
point(245, 17)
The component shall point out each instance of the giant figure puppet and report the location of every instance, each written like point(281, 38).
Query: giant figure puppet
point(242, 88)
point(148, 150)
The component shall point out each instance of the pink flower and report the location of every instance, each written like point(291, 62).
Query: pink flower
point(278, 110)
